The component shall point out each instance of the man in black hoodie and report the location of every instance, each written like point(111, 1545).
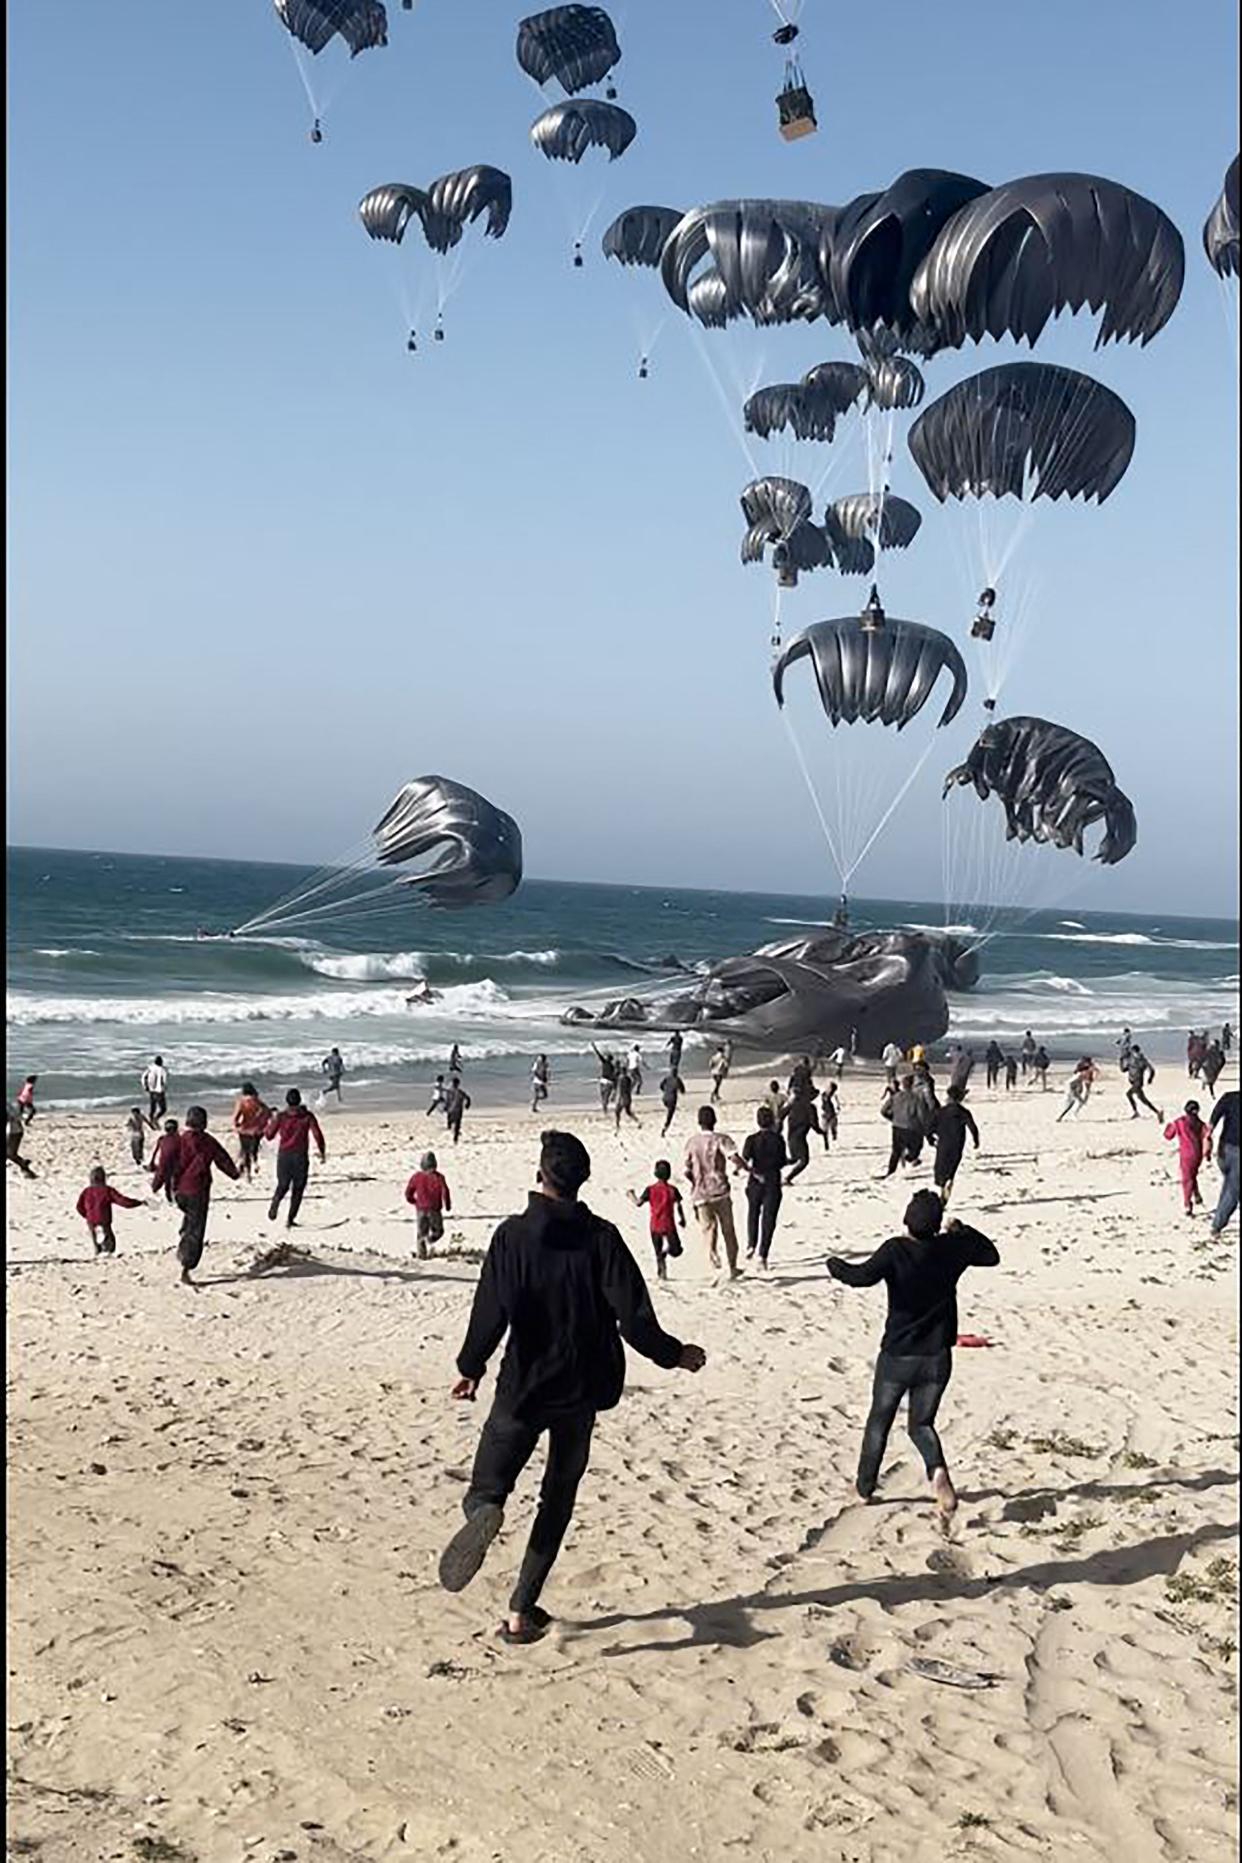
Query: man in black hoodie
point(563, 1284)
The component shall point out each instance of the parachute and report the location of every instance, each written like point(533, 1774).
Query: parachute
point(1015, 256)
point(1053, 783)
point(1026, 430)
point(875, 245)
point(455, 847)
point(883, 672)
point(765, 253)
point(894, 382)
point(1220, 233)
point(777, 502)
point(637, 236)
point(444, 209)
point(807, 409)
point(575, 46)
point(891, 523)
point(360, 23)
point(566, 131)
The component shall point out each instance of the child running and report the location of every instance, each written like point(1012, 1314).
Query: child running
point(250, 1117)
point(1194, 1148)
point(921, 1271)
point(428, 1191)
point(164, 1157)
point(136, 1132)
point(95, 1207)
point(668, 1214)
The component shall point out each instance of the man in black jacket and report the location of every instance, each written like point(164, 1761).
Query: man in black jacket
point(563, 1284)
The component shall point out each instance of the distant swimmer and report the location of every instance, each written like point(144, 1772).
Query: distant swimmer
point(1194, 1148)
point(421, 994)
point(921, 1271)
point(565, 1287)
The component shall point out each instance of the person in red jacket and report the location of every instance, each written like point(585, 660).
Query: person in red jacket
point(428, 1191)
point(1194, 1148)
point(164, 1156)
point(293, 1130)
point(95, 1207)
point(197, 1154)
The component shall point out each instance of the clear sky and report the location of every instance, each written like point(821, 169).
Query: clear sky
point(264, 565)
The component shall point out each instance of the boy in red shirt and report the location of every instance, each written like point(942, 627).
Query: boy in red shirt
point(95, 1208)
point(428, 1191)
point(667, 1215)
point(164, 1157)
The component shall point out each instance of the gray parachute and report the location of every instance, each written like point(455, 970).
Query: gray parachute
point(889, 522)
point(1220, 234)
point(574, 46)
point(1053, 783)
point(1024, 429)
point(566, 131)
point(808, 409)
point(873, 247)
point(471, 851)
point(1020, 254)
point(883, 673)
point(443, 210)
point(638, 235)
point(894, 382)
point(765, 254)
point(361, 23)
point(777, 502)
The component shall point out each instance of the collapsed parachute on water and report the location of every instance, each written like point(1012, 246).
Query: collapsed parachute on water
point(891, 523)
point(1053, 783)
point(575, 46)
point(638, 235)
point(1020, 254)
point(875, 669)
point(444, 209)
point(762, 256)
point(566, 131)
point(1024, 429)
point(360, 23)
point(454, 848)
point(1220, 234)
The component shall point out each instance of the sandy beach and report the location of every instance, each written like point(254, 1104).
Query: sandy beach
point(225, 1508)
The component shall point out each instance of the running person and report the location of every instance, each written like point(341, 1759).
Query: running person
point(457, 1103)
point(829, 1122)
point(164, 1157)
point(765, 1157)
point(250, 1117)
point(920, 1270)
point(333, 1068)
point(1139, 1074)
point(1194, 1148)
point(709, 1157)
point(15, 1131)
point(668, 1214)
point(607, 1076)
point(1225, 1114)
point(196, 1156)
point(624, 1098)
point(293, 1131)
point(1028, 1052)
point(136, 1125)
point(539, 1082)
point(671, 1089)
point(428, 1191)
point(952, 1123)
point(95, 1207)
point(718, 1068)
point(801, 1120)
point(564, 1286)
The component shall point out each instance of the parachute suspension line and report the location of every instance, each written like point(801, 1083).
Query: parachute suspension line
point(322, 880)
point(778, 603)
point(730, 411)
point(316, 108)
point(888, 814)
point(813, 793)
point(337, 910)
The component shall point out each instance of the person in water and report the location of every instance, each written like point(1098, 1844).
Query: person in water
point(921, 1271)
point(671, 1089)
point(668, 1215)
point(333, 1073)
point(155, 1086)
point(1194, 1148)
point(765, 1157)
point(429, 1193)
point(539, 1082)
point(198, 1153)
point(1139, 1075)
point(952, 1123)
point(250, 1120)
point(95, 1207)
point(164, 1156)
point(293, 1131)
point(561, 1282)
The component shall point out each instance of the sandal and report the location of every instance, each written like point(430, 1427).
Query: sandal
point(531, 1632)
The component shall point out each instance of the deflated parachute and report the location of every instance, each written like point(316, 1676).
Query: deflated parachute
point(1026, 429)
point(1220, 234)
point(361, 23)
point(883, 673)
point(1020, 254)
point(575, 46)
point(1053, 783)
point(566, 131)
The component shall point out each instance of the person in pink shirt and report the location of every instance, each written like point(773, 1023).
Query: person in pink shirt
point(1194, 1148)
point(95, 1207)
point(428, 1191)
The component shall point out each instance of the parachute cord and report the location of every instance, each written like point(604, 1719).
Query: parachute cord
point(316, 108)
point(320, 880)
point(812, 792)
point(730, 412)
point(778, 603)
point(888, 814)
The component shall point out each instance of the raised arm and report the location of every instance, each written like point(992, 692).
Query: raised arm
point(860, 1273)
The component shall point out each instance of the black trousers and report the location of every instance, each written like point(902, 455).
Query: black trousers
point(193, 1228)
point(763, 1202)
point(907, 1148)
point(157, 1106)
point(292, 1171)
point(923, 1382)
point(798, 1145)
point(1137, 1097)
point(505, 1447)
point(12, 1151)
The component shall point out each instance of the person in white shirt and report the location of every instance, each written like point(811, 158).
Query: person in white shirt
point(155, 1086)
point(892, 1058)
point(634, 1067)
point(837, 1060)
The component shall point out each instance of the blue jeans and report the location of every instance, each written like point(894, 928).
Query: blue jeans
point(923, 1382)
point(1230, 1189)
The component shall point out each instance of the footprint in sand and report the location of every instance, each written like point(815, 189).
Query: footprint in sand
point(949, 1562)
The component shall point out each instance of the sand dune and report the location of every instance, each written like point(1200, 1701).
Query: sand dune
point(225, 1509)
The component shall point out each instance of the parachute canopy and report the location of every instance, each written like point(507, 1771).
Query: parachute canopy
point(884, 673)
point(444, 209)
point(566, 131)
point(361, 23)
point(764, 253)
point(807, 409)
point(872, 249)
point(574, 45)
point(891, 522)
point(1026, 429)
point(1017, 255)
point(473, 850)
point(894, 382)
point(1220, 234)
point(1054, 785)
point(637, 236)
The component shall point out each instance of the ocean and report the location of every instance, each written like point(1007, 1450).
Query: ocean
point(106, 967)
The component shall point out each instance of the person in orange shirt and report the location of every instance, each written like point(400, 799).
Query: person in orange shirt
point(250, 1117)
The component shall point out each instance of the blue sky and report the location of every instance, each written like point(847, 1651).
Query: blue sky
point(264, 565)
